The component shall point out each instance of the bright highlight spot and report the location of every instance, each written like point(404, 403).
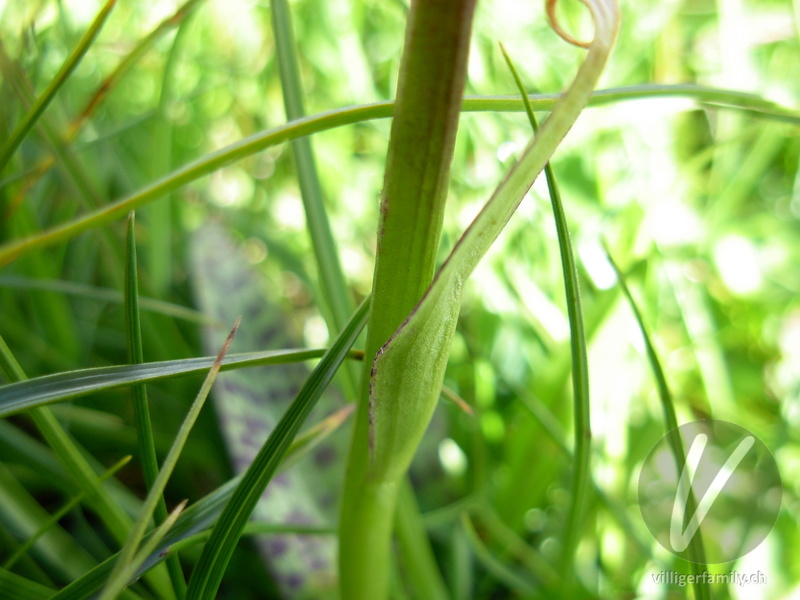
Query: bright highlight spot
point(674, 224)
point(596, 263)
point(315, 331)
point(737, 262)
point(452, 457)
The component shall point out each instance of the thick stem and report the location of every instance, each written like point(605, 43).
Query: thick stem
point(428, 102)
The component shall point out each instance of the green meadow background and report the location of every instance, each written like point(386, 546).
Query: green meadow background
point(688, 172)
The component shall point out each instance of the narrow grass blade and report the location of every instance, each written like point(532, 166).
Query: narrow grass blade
point(146, 43)
point(72, 457)
point(118, 580)
point(40, 391)
point(336, 296)
point(124, 564)
point(19, 588)
point(105, 295)
point(306, 442)
point(696, 547)
point(74, 171)
point(534, 562)
point(57, 516)
point(111, 81)
point(141, 408)
point(451, 396)
point(730, 99)
point(41, 103)
point(496, 567)
point(552, 428)
point(21, 517)
point(420, 569)
point(11, 369)
point(582, 434)
point(194, 520)
point(191, 528)
point(175, 541)
point(218, 550)
point(144, 428)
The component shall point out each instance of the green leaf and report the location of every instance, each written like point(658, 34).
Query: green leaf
point(408, 371)
point(127, 563)
point(39, 391)
point(19, 588)
point(141, 408)
point(57, 516)
point(581, 470)
point(696, 546)
point(218, 550)
point(41, 103)
point(326, 254)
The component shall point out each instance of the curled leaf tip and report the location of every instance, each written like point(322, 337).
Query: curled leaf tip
point(550, 7)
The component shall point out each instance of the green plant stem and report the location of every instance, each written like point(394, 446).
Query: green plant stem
point(418, 561)
point(327, 257)
point(420, 151)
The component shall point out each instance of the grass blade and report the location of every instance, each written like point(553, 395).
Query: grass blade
point(40, 391)
point(72, 457)
point(110, 82)
point(496, 567)
point(57, 516)
point(421, 571)
point(20, 588)
point(326, 253)
point(696, 548)
point(41, 103)
point(124, 565)
point(105, 295)
point(22, 516)
point(205, 165)
point(141, 409)
point(582, 435)
point(118, 580)
point(215, 557)
point(193, 525)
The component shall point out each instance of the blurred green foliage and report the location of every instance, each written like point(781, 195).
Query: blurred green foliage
point(700, 205)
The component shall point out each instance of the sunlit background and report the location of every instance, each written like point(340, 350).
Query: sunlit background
point(700, 207)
